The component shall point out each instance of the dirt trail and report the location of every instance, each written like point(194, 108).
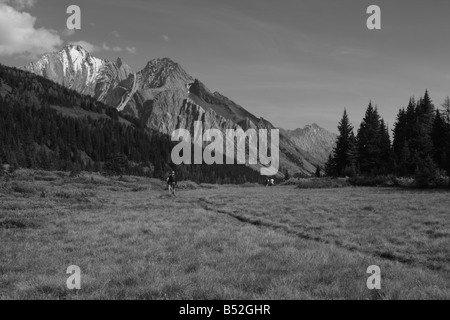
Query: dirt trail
point(209, 205)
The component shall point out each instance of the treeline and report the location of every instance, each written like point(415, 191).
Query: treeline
point(420, 147)
point(35, 135)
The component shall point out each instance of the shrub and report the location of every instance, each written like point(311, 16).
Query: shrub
point(291, 182)
point(322, 183)
point(45, 176)
point(76, 171)
point(23, 187)
point(405, 182)
point(427, 173)
point(116, 164)
point(23, 175)
point(379, 181)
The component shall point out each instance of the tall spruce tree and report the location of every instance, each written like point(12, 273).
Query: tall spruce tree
point(341, 159)
point(425, 113)
point(440, 136)
point(400, 145)
point(318, 171)
point(385, 156)
point(446, 112)
point(369, 141)
point(446, 115)
point(352, 168)
point(330, 170)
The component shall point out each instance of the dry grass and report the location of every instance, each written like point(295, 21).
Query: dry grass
point(133, 241)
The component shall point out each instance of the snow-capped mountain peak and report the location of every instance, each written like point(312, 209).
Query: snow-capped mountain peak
point(72, 67)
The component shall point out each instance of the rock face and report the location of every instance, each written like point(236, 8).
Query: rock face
point(166, 98)
point(315, 140)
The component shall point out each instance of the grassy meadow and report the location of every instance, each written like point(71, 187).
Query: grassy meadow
point(134, 241)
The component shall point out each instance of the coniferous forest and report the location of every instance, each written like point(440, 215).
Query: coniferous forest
point(36, 134)
point(419, 148)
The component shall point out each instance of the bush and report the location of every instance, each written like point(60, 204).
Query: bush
point(45, 176)
point(420, 181)
point(426, 173)
point(116, 164)
point(322, 183)
point(291, 182)
point(442, 180)
point(405, 182)
point(22, 187)
point(380, 181)
point(23, 174)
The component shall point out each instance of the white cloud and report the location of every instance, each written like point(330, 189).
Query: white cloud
point(131, 49)
point(116, 34)
point(18, 34)
point(68, 32)
point(89, 47)
point(107, 48)
point(166, 38)
point(19, 4)
point(104, 47)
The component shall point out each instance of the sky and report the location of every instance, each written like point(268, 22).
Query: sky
point(293, 62)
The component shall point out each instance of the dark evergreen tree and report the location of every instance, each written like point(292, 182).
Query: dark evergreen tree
point(116, 164)
point(440, 136)
point(341, 157)
point(425, 117)
point(369, 141)
point(352, 168)
point(385, 159)
point(400, 144)
point(426, 112)
point(330, 170)
point(446, 112)
point(426, 172)
point(318, 171)
point(286, 175)
point(446, 117)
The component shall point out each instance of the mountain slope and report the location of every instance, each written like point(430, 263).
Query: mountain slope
point(164, 97)
point(44, 125)
point(315, 140)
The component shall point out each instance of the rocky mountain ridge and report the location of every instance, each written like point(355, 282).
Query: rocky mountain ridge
point(165, 98)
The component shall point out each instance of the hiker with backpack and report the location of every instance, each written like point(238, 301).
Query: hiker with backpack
point(171, 183)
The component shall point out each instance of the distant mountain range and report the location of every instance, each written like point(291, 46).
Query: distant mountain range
point(313, 139)
point(165, 97)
